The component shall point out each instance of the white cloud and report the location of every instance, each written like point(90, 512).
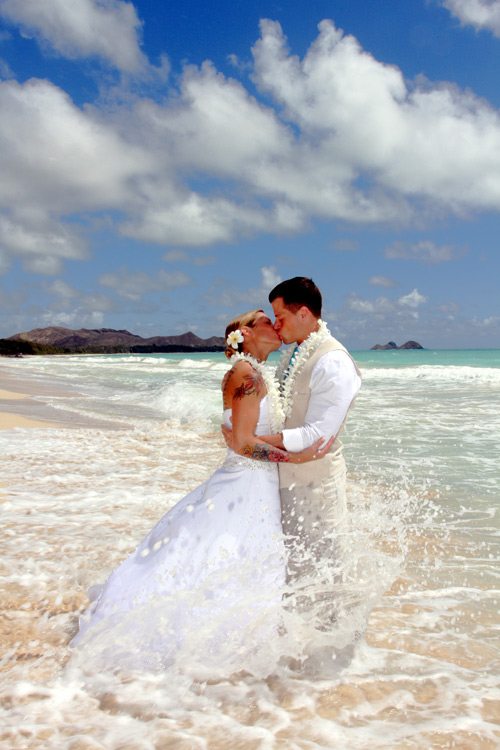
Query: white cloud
point(223, 294)
point(5, 69)
point(486, 323)
point(242, 66)
point(79, 317)
point(381, 281)
point(425, 251)
point(41, 243)
point(71, 307)
point(413, 300)
point(108, 29)
point(358, 116)
point(270, 277)
point(57, 159)
point(381, 306)
point(341, 136)
point(360, 305)
point(217, 125)
point(4, 262)
point(192, 220)
point(134, 284)
point(62, 289)
point(482, 14)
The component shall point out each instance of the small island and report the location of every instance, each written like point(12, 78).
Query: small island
point(393, 345)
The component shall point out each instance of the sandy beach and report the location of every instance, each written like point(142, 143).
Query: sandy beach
point(10, 419)
point(28, 402)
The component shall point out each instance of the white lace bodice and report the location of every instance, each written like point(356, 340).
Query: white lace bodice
point(263, 424)
point(234, 460)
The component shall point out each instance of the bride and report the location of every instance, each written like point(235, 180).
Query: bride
point(204, 588)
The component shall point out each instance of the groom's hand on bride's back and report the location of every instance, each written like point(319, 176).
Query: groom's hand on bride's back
point(314, 452)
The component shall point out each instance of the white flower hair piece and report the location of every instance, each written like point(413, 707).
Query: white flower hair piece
point(235, 338)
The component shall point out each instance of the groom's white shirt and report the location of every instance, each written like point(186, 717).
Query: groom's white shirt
point(334, 383)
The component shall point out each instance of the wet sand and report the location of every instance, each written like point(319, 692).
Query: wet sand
point(11, 395)
point(10, 420)
point(28, 407)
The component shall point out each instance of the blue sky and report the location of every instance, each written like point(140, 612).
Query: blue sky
point(163, 166)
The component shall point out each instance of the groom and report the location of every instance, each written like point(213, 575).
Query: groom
point(318, 383)
point(319, 380)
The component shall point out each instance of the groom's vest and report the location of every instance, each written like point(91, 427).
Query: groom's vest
point(312, 472)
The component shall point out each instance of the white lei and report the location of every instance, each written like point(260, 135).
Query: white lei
point(287, 371)
point(276, 416)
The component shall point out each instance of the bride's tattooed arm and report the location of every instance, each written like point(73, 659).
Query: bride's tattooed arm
point(251, 385)
point(264, 452)
point(244, 389)
point(237, 384)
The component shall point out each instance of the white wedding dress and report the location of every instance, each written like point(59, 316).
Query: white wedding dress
point(203, 590)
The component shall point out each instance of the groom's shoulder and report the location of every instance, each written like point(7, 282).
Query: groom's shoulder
point(333, 352)
point(330, 344)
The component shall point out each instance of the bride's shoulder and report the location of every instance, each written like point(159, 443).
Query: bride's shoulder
point(240, 373)
point(240, 369)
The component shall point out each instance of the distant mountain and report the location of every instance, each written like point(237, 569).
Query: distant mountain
point(392, 345)
point(55, 339)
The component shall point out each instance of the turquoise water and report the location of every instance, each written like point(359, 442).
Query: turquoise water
point(370, 358)
point(415, 357)
point(432, 416)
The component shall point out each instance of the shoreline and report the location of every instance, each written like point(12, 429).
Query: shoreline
point(10, 420)
point(26, 407)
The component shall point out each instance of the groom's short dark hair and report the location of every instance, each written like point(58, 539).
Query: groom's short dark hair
point(298, 292)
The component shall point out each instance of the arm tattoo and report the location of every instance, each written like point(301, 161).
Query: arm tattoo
point(225, 382)
point(261, 452)
point(252, 385)
point(227, 377)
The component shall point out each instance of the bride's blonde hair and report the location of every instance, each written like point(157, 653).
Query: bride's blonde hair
point(246, 319)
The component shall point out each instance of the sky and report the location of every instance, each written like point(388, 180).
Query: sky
point(163, 166)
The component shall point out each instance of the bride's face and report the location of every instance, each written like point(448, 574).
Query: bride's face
point(264, 334)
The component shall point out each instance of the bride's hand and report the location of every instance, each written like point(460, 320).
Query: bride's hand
point(317, 450)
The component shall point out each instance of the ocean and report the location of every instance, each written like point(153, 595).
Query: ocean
point(137, 433)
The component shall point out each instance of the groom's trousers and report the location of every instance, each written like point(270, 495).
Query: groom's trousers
point(314, 520)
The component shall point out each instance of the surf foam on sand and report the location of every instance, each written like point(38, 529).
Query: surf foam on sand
point(76, 502)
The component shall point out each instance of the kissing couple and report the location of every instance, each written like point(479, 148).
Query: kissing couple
point(207, 589)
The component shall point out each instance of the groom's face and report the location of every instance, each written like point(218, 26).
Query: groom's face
point(287, 323)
